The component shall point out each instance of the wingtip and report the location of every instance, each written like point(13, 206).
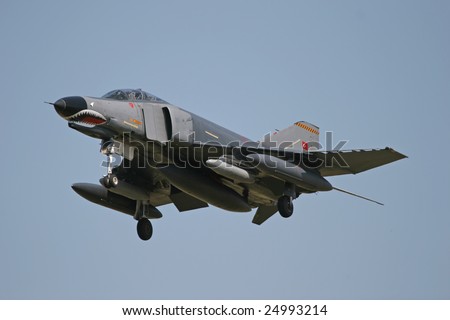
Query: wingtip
point(401, 155)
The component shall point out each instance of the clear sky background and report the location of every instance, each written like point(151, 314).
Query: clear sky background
point(376, 73)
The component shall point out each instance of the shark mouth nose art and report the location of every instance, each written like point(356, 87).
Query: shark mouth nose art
point(87, 117)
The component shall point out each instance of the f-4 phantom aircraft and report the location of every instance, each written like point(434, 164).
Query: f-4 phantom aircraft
point(169, 155)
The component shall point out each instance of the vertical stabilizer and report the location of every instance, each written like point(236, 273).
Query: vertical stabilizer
point(299, 137)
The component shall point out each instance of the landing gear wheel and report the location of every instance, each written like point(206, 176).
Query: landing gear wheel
point(144, 229)
point(285, 206)
point(110, 181)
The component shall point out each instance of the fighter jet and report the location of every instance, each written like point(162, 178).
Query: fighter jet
point(157, 154)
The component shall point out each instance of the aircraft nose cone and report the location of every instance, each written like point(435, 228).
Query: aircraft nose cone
point(60, 105)
point(69, 106)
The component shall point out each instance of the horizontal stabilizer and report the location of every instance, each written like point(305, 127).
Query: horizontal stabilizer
point(354, 161)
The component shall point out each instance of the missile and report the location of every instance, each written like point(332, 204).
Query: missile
point(230, 171)
point(203, 187)
point(290, 172)
point(100, 195)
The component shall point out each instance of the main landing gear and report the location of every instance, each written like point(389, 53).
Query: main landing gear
point(285, 206)
point(144, 229)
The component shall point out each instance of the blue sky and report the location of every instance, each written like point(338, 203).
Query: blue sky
point(374, 73)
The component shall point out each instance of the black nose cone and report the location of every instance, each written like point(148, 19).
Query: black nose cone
point(69, 106)
point(60, 105)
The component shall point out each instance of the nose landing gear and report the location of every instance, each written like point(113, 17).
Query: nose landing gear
point(110, 181)
point(108, 148)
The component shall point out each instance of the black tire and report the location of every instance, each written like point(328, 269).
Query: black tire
point(144, 229)
point(106, 181)
point(110, 181)
point(285, 206)
point(113, 181)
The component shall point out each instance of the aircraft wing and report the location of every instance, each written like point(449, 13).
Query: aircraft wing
point(185, 202)
point(354, 161)
point(155, 187)
point(329, 163)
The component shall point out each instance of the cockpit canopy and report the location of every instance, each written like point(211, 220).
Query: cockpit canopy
point(132, 95)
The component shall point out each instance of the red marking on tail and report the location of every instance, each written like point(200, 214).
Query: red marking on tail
point(305, 145)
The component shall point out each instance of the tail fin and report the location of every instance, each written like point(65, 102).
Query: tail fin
point(300, 137)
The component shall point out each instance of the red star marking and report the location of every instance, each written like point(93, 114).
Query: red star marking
point(131, 104)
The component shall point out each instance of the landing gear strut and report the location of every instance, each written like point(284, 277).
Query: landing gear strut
point(285, 206)
point(108, 149)
point(144, 229)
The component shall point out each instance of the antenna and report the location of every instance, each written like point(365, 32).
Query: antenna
point(357, 195)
